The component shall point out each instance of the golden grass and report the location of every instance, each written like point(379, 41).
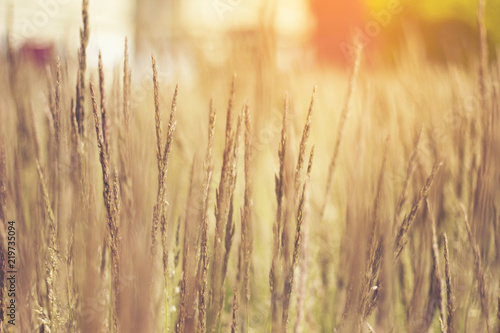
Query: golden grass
point(355, 244)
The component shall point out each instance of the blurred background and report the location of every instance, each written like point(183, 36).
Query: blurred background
point(269, 44)
point(291, 33)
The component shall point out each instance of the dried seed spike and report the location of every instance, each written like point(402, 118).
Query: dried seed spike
point(246, 216)
point(281, 176)
point(52, 263)
point(158, 118)
point(437, 284)
point(203, 278)
point(304, 267)
point(116, 195)
point(449, 288)
point(309, 165)
point(230, 226)
point(223, 197)
point(400, 241)
point(378, 192)
point(409, 172)
point(229, 109)
point(181, 319)
point(85, 18)
point(100, 140)
point(57, 115)
point(478, 272)
point(289, 282)
point(126, 86)
point(112, 203)
point(170, 136)
point(163, 158)
point(166, 154)
point(105, 125)
point(303, 141)
point(234, 323)
point(82, 62)
point(274, 277)
point(373, 251)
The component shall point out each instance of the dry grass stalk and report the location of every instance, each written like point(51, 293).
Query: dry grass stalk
point(52, 263)
point(162, 154)
point(275, 272)
point(179, 325)
point(158, 118)
point(378, 193)
point(164, 245)
point(230, 226)
point(246, 215)
point(409, 172)
point(236, 291)
point(228, 241)
point(166, 154)
point(82, 61)
point(234, 323)
point(103, 156)
point(127, 76)
point(222, 211)
point(289, 267)
point(181, 319)
point(478, 272)
point(373, 258)
point(237, 283)
point(303, 142)
point(401, 238)
point(449, 288)
point(437, 284)
point(208, 169)
point(57, 105)
point(112, 204)
point(105, 121)
point(76, 140)
point(346, 107)
point(56, 116)
point(122, 121)
point(304, 263)
point(302, 216)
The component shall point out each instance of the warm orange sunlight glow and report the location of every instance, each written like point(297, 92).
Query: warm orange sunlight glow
point(334, 22)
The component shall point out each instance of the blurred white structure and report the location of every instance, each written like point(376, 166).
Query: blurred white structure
point(159, 26)
point(59, 22)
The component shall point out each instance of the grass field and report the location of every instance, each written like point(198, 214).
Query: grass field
point(316, 200)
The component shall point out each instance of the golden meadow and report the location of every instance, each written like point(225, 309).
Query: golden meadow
point(311, 201)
